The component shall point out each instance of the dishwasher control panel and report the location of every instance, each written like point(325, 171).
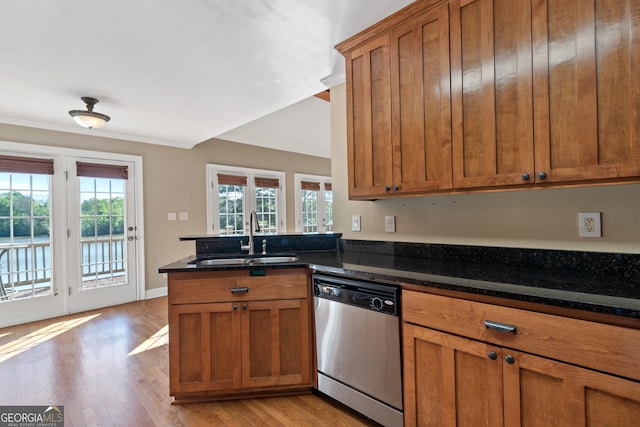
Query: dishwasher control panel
point(367, 295)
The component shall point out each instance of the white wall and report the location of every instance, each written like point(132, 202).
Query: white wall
point(546, 218)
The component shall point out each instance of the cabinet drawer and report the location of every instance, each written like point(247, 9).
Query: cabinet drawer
point(237, 285)
point(608, 348)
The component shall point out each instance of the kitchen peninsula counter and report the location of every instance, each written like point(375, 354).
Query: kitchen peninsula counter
point(598, 283)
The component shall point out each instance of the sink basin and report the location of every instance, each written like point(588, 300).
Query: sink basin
point(248, 260)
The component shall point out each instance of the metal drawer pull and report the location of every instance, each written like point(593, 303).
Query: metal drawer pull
point(500, 327)
point(239, 290)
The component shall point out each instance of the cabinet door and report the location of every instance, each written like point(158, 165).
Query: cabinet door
point(587, 91)
point(450, 381)
point(368, 126)
point(276, 346)
point(420, 95)
point(492, 95)
point(204, 347)
point(543, 392)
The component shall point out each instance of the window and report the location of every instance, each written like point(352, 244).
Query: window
point(314, 203)
point(234, 192)
point(25, 227)
point(102, 220)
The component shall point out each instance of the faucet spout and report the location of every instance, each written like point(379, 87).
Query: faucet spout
point(253, 227)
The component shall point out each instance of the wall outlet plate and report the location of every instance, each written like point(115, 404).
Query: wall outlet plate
point(589, 224)
point(355, 223)
point(390, 223)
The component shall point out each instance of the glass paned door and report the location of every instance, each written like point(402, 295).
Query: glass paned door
point(102, 239)
point(29, 241)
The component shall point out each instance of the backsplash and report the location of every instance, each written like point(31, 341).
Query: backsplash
point(207, 246)
point(596, 263)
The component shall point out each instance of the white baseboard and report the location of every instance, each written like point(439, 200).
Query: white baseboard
point(155, 293)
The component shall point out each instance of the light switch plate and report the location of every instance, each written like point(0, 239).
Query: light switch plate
point(171, 216)
point(355, 223)
point(184, 216)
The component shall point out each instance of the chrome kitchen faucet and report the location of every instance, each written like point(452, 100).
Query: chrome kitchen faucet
point(253, 227)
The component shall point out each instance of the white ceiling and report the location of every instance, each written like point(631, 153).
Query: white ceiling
point(180, 72)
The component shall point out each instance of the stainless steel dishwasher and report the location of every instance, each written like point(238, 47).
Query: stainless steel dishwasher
point(358, 346)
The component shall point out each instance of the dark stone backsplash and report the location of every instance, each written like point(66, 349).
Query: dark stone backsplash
point(596, 263)
point(211, 246)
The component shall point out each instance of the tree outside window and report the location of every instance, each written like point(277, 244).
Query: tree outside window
point(240, 191)
point(314, 204)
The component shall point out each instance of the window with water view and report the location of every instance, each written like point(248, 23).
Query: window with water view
point(25, 235)
point(102, 219)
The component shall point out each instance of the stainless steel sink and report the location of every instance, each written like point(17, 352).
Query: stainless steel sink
point(260, 260)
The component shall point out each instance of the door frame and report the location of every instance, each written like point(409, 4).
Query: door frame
point(81, 299)
point(60, 225)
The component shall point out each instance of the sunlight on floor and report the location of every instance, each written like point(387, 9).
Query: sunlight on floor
point(22, 344)
point(158, 339)
point(4, 335)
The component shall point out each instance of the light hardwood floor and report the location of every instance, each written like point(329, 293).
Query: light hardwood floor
point(109, 367)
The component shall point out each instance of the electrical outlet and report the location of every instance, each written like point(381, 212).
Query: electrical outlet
point(355, 223)
point(589, 224)
point(390, 224)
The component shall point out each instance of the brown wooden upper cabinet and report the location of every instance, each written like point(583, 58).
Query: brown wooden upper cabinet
point(492, 92)
point(398, 107)
point(586, 89)
point(481, 94)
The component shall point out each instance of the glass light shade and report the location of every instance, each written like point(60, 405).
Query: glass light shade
point(89, 119)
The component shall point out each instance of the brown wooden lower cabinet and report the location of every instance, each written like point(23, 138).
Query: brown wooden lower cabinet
point(452, 380)
point(240, 347)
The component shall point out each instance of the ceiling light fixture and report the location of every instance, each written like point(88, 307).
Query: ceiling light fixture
point(89, 118)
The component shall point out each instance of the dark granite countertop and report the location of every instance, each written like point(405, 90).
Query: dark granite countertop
point(610, 284)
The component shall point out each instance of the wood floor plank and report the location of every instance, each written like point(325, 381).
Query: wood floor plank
point(110, 367)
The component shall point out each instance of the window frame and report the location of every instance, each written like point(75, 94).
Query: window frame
point(322, 180)
point(213, 215)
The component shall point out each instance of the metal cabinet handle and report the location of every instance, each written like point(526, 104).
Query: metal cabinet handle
point(500, 327)
point(234, 308)
point(492, 355)
point(542, 175)
point(387, 188)
point(510, 359)
point(239, 290)
point(396, 188)
point(525, 177)
point(244, 306)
